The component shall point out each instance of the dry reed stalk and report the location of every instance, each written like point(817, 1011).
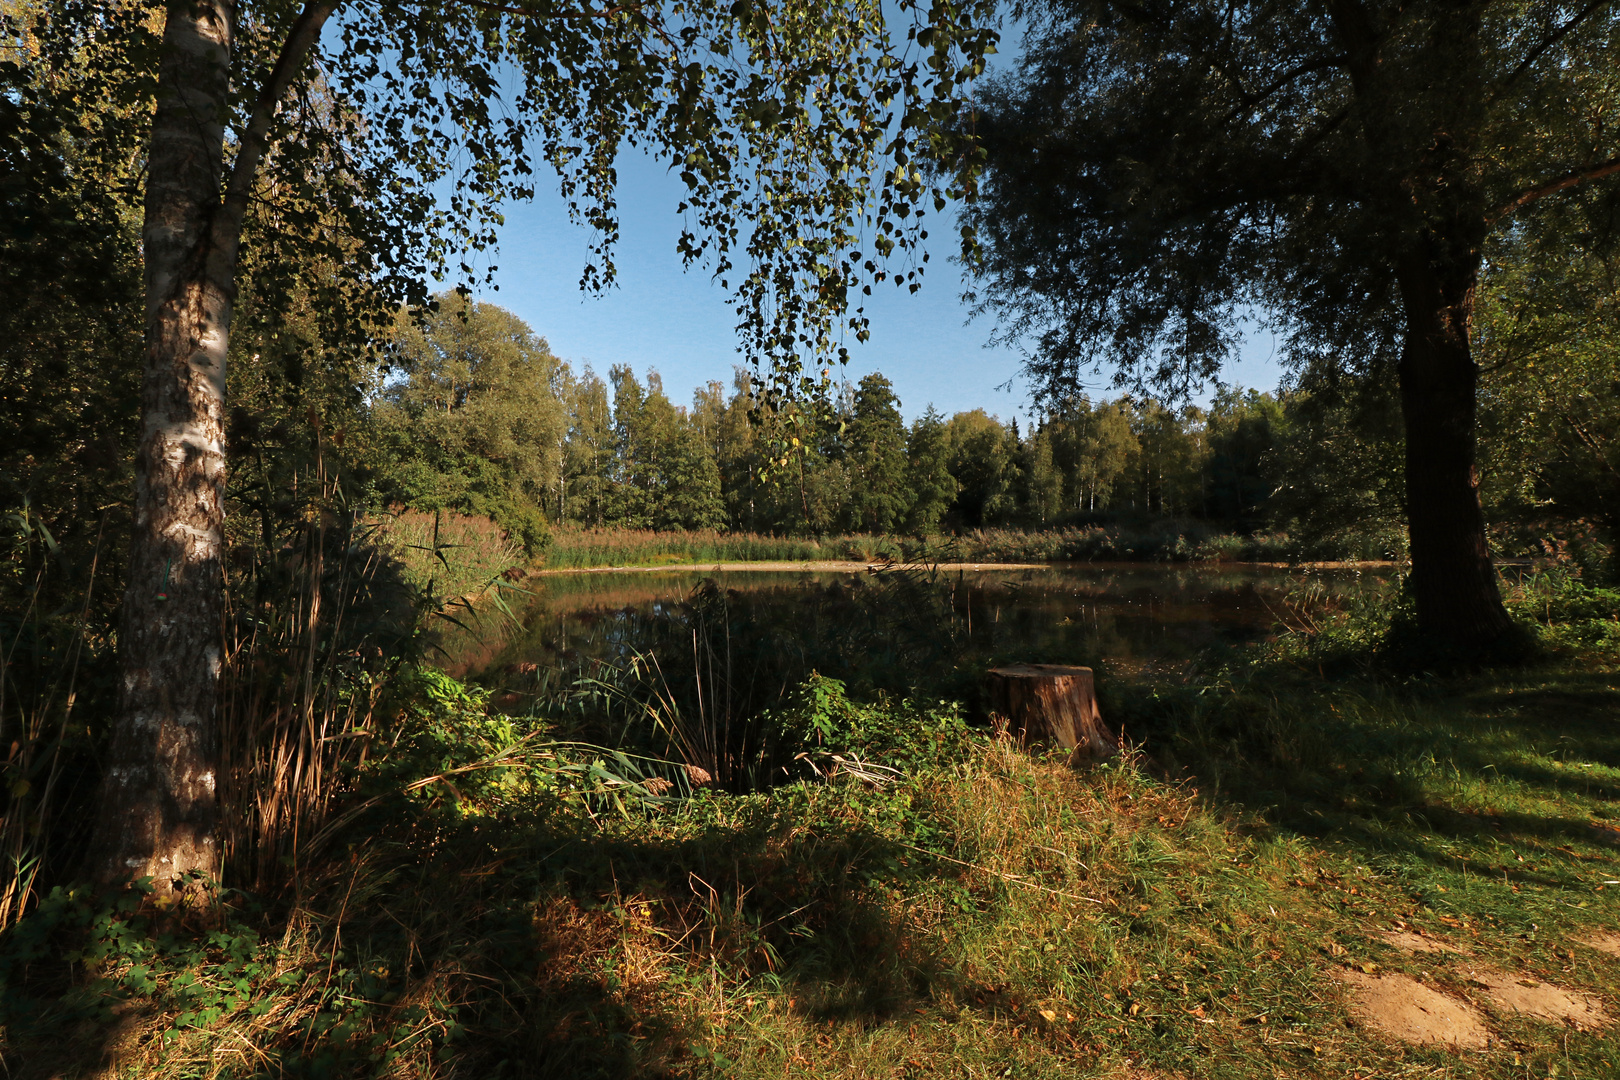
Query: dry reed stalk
point(25, 824)
point(290, 719)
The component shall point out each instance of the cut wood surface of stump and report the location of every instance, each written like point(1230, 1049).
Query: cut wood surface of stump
point(1043, 703)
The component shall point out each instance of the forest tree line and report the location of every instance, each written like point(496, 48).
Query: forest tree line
point(475, 414)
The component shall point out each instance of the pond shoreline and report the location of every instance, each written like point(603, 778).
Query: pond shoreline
point(856, 566)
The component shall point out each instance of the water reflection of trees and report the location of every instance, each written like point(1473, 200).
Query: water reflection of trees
point(737, 643)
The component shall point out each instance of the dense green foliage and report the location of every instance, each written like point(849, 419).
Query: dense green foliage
point(473, 414)
point(477, 416)
point(1299, 160)
point(1154, 173)
point(470, 416)
point(1550, 410)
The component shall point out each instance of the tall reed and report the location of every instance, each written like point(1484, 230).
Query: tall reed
point(313, 630)
point(574, 548)
point(36, 715)
point(710, 680)
point(1163, 540)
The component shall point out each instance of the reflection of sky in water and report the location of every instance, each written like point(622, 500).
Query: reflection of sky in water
point(1086, 614)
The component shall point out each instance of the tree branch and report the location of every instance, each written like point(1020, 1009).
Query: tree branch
point(1536, 53)
point(1258, 98)
point(1568, 180)
point(528, 12)
point(227, 226)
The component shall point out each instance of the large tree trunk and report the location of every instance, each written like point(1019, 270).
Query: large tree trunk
point(1453, 581)
point(159, 809)
point(158, 804)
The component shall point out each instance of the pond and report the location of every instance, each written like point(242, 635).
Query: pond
point(897, 629)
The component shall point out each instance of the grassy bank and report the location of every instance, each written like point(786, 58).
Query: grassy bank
point(914, 898)
point(1156, 541)
point(578, 549)
point(1167, 541)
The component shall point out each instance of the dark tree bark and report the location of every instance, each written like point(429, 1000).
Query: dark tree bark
point(1453, 581)
point(159, 808)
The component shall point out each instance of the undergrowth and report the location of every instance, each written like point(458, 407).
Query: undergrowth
point(910, 896)
point(447, 555)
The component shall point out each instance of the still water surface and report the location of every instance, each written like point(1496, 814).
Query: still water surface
point(1129, 615)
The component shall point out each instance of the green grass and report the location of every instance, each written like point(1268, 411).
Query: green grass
point(987, 913)
point(1158, 541)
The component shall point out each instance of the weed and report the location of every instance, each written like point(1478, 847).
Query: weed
point(447, 555)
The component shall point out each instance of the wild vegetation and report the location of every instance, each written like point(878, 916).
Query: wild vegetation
point(907, 892)
point(477, 417)
point(250, 465)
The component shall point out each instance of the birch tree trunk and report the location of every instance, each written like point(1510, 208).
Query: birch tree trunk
point(158, 805)
point(159, 809)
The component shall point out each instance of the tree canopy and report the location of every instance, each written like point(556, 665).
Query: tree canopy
point(472, 415)
point(1154, 170)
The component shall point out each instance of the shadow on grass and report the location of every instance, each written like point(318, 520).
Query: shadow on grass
point(515, 950)
point(1468, 773)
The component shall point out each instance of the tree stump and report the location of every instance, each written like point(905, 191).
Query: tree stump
point(1038, 703)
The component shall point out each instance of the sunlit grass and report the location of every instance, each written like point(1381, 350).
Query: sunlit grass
point(1156, 541)
point(990, 913)
point(575, 548)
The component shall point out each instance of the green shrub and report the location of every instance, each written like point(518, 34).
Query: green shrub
point(448, 555)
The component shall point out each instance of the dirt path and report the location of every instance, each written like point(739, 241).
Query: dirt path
point(1400, 1006)
point(1404, 1008)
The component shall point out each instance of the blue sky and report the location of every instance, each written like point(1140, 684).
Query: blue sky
point(678, 323)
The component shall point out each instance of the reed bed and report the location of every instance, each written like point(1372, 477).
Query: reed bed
point(1166, 541)
point(1158, 541)
point(579, 549)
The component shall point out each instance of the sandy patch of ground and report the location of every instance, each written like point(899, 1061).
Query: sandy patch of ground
point(1602, 941)
point(1405, 1009)
point(1408, 942)
point(1542, 1000)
